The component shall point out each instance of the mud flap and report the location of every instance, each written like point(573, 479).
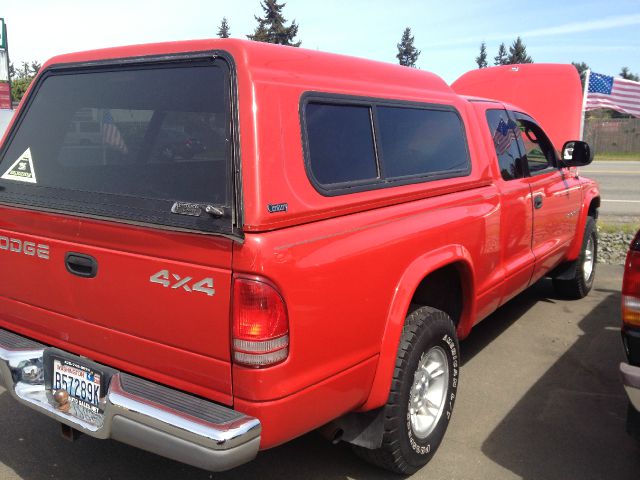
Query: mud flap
point(565, 271)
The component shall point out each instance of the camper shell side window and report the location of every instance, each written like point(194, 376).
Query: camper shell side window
point(353, 144)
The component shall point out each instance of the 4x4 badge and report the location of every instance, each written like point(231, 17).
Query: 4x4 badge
point(22, 169)
point(176, 282)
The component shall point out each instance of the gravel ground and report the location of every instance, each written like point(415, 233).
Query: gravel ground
point(612, 247)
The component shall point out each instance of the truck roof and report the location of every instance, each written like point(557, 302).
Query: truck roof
point(271, 80)
point(263, 59)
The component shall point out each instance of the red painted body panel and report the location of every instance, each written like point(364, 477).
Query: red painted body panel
point(120, 316)
point(404, 291)
point(314, 406)
point(347, 266)
point(307, 263)
point(554, 225)
point(590, 196)
point(550, 93)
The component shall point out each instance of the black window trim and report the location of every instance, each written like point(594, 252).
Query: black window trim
point(150, 61)
point(517, 115)
point(342, 188)
point(376, 152)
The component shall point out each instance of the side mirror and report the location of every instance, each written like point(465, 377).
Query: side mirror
point(576, 154)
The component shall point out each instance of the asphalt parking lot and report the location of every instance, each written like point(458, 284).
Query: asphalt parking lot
point(539, 398)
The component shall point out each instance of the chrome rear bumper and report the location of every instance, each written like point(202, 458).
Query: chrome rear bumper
point(631, 382)
point(137, 412)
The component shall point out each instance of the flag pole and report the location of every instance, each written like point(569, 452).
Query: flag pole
point(6, 49)
point(584, 101)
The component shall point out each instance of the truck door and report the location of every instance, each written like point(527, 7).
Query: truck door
point(556, 196)
point(516, 218)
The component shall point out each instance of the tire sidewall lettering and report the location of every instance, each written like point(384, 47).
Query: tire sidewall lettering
point(424, 446)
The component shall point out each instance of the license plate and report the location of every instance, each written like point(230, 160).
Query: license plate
point(83, 384)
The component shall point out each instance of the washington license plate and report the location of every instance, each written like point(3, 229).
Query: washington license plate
point(83, 384)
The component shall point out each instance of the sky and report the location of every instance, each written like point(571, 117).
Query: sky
point(605, 35)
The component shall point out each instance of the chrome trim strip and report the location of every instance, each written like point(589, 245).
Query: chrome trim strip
point(21, 373)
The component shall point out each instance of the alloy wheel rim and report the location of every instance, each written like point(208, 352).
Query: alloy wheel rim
point(589, 260)
point(428, 392)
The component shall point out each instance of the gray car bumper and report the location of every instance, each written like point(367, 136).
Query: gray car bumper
point(137, 412)
point(631, 382)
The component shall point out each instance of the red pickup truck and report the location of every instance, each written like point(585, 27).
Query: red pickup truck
point(209, 248)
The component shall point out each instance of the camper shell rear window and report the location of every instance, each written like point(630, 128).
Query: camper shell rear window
point(143, 142)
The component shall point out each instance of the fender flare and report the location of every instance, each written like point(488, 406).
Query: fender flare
point(406, 286)
point(590, 194)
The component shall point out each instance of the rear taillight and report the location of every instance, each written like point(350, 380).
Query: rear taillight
point(260, 324)
point(631, 285)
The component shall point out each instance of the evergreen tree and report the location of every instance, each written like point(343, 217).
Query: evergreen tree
point(627, 75)
point(582, 71)
point(25, 71)
point(407, 53)
point(501, 58)
point(35, 67)
point(223, 30)
point(271, 28)
point(481, 59)
point(21, 77)
point(518, 53)
point(28, 70)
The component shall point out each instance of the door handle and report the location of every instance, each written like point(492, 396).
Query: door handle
point(81, 265)
point(537, 201)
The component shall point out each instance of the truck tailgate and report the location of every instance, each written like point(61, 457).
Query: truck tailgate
point(116, 213)
point(142, 312)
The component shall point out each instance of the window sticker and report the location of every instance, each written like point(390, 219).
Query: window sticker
point(22, 169)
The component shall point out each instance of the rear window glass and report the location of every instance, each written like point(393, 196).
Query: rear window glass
point(340, 143)
point(421, 142)
point(126, 144)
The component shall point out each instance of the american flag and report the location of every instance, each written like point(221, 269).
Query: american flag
point(503, 136)
point(614, 93)
point(111, 135)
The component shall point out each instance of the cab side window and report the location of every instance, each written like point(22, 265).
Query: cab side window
point(538, 150)
point(505, 132)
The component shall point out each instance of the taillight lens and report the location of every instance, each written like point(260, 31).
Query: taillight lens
point(631, 285)
point(260, 324)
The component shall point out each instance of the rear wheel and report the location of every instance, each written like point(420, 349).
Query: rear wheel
point(422, 395)
point(579, 285)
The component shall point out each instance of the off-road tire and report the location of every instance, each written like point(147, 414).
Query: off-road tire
point(579, 286)
point(402, 451)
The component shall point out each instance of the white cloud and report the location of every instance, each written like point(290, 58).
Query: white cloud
point(577, 27)
point(566, 29)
